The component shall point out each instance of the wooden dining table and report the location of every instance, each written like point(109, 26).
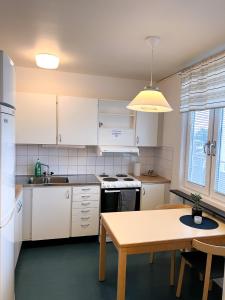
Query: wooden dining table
point(149, 231)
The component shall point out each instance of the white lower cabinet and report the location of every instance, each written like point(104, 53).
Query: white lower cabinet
point(18, 233)
point(152, 195)
point(27, 213)
point(51, 213)
point(85, 211)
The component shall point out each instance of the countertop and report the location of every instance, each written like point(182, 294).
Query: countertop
point(152, 179)
point(73, 180)
point(18, 190)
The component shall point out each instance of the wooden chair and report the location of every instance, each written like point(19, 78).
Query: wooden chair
point(208, 260)
point(173, 253)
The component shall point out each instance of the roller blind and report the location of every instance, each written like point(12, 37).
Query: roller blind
point(203, 86)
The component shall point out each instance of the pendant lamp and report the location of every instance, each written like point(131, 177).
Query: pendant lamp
point(150, 99)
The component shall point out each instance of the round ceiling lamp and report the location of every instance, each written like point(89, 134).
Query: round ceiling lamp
point(150, 99)
point(47, 61)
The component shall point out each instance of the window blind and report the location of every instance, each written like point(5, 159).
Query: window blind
point(203, 85)
point(220, 156)
point(198, 138)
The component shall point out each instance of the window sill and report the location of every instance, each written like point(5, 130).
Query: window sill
point(210, 205)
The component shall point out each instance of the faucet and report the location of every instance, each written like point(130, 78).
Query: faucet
point(47, 166)
point(47, 174)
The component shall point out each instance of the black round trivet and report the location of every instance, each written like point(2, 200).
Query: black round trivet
point(206, 222)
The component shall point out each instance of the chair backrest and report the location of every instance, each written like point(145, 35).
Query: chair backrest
point(172, 206)
point(209, 249)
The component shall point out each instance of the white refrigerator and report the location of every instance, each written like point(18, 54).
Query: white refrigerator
point(7, 177)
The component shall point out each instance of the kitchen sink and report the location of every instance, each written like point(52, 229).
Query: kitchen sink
point(49, 180)
point(58, 179)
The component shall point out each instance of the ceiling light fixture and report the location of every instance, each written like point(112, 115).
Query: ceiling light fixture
point(150, 99)
point(47, 61)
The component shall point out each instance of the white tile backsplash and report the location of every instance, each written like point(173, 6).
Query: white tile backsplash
point(163, 161)
point(79, 161)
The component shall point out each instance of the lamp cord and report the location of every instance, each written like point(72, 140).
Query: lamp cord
point(152, 56)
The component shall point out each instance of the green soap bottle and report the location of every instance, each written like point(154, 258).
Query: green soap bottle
point(37, 169)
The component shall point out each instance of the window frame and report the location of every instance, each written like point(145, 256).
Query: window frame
point(213, 193)
point(204, 190)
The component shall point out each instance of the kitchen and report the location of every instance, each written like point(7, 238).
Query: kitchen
point(74, 126)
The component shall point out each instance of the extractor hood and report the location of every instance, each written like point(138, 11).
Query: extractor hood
point(117, 149)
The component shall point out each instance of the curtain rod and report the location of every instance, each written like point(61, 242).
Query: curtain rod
point(195, 62)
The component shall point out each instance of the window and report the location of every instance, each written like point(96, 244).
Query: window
point(220, 157)
point(205, 152)
point(198, 139)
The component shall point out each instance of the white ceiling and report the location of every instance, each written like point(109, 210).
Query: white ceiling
point(106, 37)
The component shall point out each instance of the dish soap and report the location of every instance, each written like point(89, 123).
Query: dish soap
point(37, 169)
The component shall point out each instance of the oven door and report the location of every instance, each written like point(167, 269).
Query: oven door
point(110, 199)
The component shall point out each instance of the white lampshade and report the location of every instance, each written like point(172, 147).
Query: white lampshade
point(47, 61)
point(150, 100)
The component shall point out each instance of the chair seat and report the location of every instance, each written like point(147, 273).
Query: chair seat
point(198, 260)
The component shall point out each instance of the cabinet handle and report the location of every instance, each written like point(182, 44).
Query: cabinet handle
point(85, 196)
point(87, 189)
point(60, 138)
point(85, 218)
point(137, 139)
point(143, 193)
point(85, 225)
point(85, 211)
point(85, 203)
point(67, 195)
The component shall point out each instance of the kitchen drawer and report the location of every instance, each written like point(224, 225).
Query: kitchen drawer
point(84, 219)
point(85, 228)
point(84, 212)
point(85, 196)
point(85, 204)
point(86, 189)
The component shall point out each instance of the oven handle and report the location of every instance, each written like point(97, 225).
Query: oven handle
point(116, 191)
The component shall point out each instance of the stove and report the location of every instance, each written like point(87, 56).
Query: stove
point(118, 181)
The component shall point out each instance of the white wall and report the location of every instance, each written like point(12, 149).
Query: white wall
point(70, 84)
point(171, 133)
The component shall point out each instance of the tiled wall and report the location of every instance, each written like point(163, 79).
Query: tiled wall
point(79, 161)
point(163, 161)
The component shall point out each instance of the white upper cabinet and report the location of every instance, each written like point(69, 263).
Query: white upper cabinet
point(35, 118)
point(116, 124)
point(146, 129)
point(77, 121)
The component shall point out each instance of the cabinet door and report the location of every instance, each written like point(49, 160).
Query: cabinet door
point(77, 121)
point(51, 213)
point(146, 129)
point(152, 195)
point(18, 227)
point(35, 119)
point(27, 213)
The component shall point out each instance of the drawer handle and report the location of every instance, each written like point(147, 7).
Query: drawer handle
point(85, 196)
point(85, 218)
point(87, 189)
point(85, 225)
point(85, 211)
point(85, 203)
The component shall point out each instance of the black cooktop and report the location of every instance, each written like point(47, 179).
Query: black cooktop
point(128, 179)
point(110, 179)
point(121, 175)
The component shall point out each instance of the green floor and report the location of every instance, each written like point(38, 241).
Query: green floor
point(70, 272)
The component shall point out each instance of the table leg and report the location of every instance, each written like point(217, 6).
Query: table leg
point(121, 280)
point(223, 295)
point(102, 253)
